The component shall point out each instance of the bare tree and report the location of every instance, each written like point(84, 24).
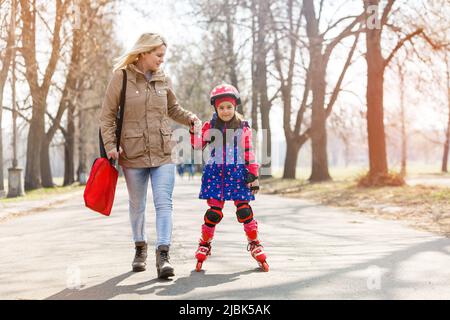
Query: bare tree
point(38, 91)
point(315, 86)
point(346, 124)
point(401, 74)
point(260, 98)
point(376, 66)
point(66, 102)
point(294, 139)
point(219, 19)
point(89, 89)
point(6, 55)
point(85, 22)
point(447, 135)
point(319, 56)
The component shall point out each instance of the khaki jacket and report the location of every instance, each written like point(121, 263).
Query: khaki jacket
point(146, 132)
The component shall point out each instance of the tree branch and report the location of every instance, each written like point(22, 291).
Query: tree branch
point(337, 88)
point(345, 33)
point(64, 132)
point(19, 113)
point(400, 44)
point(301, 111)
point(335, 24)
point(386, 12)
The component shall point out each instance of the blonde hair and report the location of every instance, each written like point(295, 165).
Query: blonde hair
point(239, 116)
point(147, 42)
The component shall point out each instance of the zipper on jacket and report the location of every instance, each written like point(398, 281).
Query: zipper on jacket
point(223, 159)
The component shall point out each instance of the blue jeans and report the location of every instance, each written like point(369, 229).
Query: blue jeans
point(163, 179)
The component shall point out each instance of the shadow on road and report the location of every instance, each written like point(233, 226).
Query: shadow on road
point(392, 282)
point(160, 287)
point(200, 280)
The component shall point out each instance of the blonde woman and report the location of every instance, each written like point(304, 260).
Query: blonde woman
point(146, 146)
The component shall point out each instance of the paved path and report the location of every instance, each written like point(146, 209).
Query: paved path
point(315, 252)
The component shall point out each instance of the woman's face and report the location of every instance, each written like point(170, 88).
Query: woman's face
point(153, 60)
point(225, 111)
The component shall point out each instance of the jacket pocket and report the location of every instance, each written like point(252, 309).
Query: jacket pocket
point(133, 144)
point(167, 143)
point(161, 89)
point(160, 95)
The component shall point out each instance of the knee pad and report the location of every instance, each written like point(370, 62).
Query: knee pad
point(213, 216)
point(244, 213)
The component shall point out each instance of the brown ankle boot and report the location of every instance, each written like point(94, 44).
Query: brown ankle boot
point(163, 266)
point(140, 256)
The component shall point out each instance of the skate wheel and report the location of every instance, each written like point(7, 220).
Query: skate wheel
point(198, 267)
point(264, 266)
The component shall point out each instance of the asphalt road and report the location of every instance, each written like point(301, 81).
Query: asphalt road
point(314, 252)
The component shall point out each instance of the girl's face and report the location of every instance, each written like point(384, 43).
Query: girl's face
point(152, 60)
point(225, 111)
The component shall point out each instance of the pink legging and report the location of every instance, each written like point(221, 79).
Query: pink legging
point(251, 228)
point(220, 204)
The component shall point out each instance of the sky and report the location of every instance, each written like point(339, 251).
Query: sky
point(167, 17)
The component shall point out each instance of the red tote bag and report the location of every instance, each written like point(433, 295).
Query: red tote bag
point(101, 185)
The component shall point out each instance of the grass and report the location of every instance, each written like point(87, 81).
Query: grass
point(44, 192)
point(422, 207)
point(414, 170)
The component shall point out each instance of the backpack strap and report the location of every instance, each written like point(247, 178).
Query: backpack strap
point(119, 120)
point(212, 122)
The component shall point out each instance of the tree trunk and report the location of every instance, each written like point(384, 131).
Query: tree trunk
point(375, 114)
point(231, 55)
point(318, 67)
point(447, 136)
point(9, 54)
point(403, 122)
point(265, 104)
point(446, 147)
point(46, 171)
point(319, 171)
point(39, 92)
point(290, 162)
point(266, 165)
point(2, 186)
point(255, 77)
point(69, 147)
point(34, 143)
point(82, 169)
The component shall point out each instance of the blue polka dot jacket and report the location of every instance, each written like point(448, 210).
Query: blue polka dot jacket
point(231, 159)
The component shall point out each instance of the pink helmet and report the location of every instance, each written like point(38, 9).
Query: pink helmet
point(225, 90)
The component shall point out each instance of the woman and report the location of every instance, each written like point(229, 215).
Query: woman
point(146, 146)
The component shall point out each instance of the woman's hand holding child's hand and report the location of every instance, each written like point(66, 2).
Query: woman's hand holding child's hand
point(196, 124)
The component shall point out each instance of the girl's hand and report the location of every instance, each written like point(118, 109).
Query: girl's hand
point(113, 154)
point(195, 121)
point(254, 186)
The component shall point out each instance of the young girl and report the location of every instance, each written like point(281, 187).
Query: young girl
point(231, 172)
